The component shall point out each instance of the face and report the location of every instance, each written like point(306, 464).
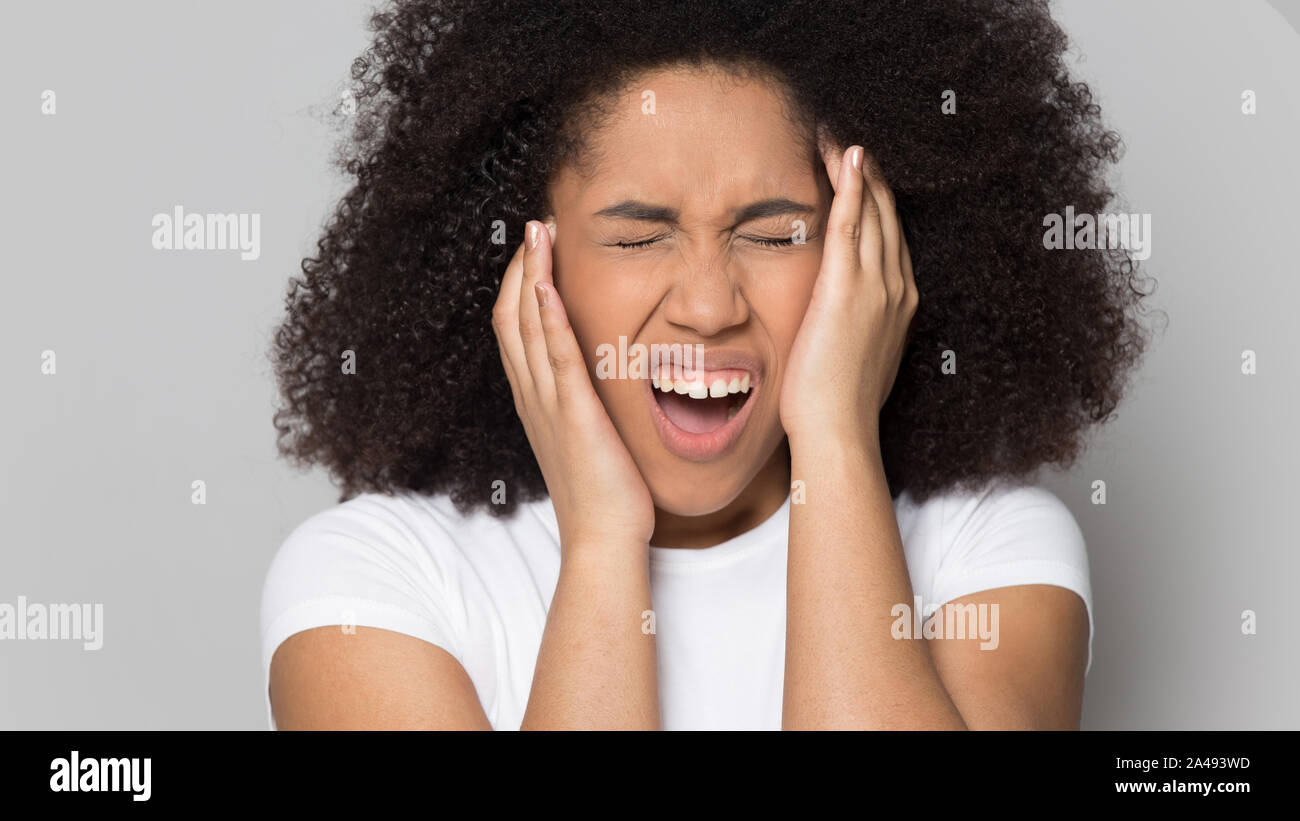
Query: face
point(697, 226)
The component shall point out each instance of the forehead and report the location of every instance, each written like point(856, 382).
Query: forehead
point(696, 139)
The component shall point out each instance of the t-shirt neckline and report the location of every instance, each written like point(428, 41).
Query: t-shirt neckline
point(774, 528)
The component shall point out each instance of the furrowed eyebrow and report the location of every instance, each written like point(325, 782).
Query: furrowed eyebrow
point(776, 207)
point(637, 210)
point(645, 212)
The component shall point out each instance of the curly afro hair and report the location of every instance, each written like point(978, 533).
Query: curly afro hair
point(465, 109)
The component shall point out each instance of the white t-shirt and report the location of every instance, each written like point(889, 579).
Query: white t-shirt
point(479, 587)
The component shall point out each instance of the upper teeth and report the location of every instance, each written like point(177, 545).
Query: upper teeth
point(702, 390)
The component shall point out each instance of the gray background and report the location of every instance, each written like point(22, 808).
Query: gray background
point(163, 377)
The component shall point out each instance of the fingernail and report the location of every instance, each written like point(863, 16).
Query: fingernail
point(534, 234)
point(550, 227)
point(856, 159)
point(542, 296)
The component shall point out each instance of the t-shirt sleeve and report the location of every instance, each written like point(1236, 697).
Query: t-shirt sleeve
point(1012, 536)
point(354, 565)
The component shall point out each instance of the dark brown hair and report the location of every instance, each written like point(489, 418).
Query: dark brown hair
point(465, 108)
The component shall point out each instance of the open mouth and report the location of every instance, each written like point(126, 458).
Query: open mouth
point(700, 406)
point(700, 413)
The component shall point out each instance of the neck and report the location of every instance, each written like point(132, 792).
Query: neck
point(755, 504)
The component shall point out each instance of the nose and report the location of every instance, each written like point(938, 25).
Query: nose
point(705, 298)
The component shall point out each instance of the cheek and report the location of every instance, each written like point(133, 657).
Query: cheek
point(599, 315)
point(585, 304)
point(602, 302)
point(781, 302)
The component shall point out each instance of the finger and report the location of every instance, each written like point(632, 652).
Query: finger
point(845, 222)
point(871, 234)
point(505, 323)
point(537, 268)
point(511, 378)
point(905, 257)
point(572, 383)
point(891, 268)
point(909, 279)
point(832, 156)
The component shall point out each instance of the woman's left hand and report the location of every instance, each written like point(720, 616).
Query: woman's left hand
point(846, 354)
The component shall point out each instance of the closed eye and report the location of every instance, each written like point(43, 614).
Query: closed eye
point(765, 241)
point(642, 244)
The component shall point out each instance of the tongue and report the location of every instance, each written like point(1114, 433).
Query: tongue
point(695, 415)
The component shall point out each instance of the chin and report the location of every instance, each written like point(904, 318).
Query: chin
point(684, 487)
point(685, 496)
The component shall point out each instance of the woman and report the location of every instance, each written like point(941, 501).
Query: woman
point(823, 221)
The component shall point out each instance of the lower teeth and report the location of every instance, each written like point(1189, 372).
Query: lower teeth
point(731, 414)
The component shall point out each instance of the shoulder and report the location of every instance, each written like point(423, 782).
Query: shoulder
point(406, 531)
point(390, 561)
point(360, 536)
point(1016, 524)
point(965, 542)
point(1007, 523)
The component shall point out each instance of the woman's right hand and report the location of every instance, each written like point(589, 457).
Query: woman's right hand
point(598, 493)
